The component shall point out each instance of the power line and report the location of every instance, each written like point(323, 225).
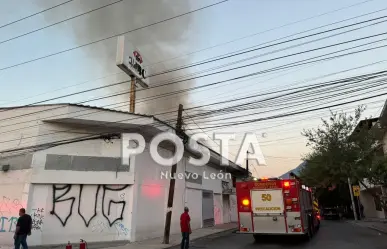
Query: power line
point(65, 20)
point(218, 72)
point(271, 101)
point(297, 113)
point(88, 114)
point(278, 116)
point(253, 35)
point(37, 13)
point(208, 74)
point(219, 82)
point(113, 36)
point(272, 45)
point(279, 27)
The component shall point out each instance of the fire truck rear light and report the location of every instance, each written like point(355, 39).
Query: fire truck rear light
point(286, 184)
point(288, 207)
point(288, 202)
point(245, 202)
point(286, 191)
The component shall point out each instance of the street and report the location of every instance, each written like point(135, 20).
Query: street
point(332, 234)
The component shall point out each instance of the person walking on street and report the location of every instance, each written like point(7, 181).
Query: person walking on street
point(185, 228)
point(23, 229)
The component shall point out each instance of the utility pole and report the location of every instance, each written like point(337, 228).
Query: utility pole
point(247, 163)
point(352, 200)
point(168, 217)
point(132, 94)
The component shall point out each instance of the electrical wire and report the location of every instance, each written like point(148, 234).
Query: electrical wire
point(110, 37)
point(299, 112)
point(118, 121)
point(276, 44)
point(279, 27)
point(56, 108)
point(93, 89)
point(227, 70)
point(54, 24)
point(37, 13)
point(257, 34)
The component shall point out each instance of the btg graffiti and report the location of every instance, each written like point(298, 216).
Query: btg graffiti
point(61, 195)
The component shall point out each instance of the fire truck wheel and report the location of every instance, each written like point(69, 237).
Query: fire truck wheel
point(309, 234)
point(256, 237)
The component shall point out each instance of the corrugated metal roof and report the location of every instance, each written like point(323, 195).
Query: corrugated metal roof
point(77, 105)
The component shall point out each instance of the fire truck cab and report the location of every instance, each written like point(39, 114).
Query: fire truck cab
point(276, 207)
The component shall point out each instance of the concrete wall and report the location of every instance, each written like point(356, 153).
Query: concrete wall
point(14, 190)
point(369, 206)
point(86, 197)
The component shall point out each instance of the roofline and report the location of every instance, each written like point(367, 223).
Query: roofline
point(76, 105)
point(236, 166)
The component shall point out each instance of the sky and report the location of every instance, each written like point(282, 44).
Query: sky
point(231, 26)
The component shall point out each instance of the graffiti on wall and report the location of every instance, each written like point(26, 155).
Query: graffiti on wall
point(37, 218)
point(8, 224)
point(8, 205)
point(9, 208)
point(106, 204)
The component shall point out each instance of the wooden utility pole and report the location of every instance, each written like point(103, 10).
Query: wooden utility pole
point(247, 163)
point(132, 94)
point(168, 218)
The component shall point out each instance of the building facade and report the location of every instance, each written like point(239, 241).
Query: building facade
point(58, 162)
point(372, 206)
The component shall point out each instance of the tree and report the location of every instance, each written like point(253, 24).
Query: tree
point(344, 147)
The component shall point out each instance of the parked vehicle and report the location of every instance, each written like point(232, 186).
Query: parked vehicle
point(331, 213)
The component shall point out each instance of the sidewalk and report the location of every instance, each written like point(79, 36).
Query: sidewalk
point(379, 225)
point(175, 239)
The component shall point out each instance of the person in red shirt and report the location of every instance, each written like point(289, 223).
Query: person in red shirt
point(185, 228)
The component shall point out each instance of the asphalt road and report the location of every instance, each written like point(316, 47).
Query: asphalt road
point(332, 234)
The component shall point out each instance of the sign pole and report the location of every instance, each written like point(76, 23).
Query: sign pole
point(352, 199)
point(132, 94)
point(131, 62)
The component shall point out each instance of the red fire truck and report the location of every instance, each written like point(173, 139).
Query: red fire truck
point(276, 207)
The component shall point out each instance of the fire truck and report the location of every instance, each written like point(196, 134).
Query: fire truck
point(276, 206)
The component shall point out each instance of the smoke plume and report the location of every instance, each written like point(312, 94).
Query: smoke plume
point(156, 43)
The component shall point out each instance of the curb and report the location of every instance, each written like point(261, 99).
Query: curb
point(369, 227)
point(204, 237)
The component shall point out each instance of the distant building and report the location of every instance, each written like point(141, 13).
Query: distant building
point(296, 171)
point(372, 205)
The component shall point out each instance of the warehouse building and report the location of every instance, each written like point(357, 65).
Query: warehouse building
point(63, 164)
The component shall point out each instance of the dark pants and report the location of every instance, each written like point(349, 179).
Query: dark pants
point(21, 240)
point(185, 241)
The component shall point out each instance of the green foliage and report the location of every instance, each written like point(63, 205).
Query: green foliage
point(342, 149)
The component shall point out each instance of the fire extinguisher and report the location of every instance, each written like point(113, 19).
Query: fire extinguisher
point(82, 244)
point(69, 246)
